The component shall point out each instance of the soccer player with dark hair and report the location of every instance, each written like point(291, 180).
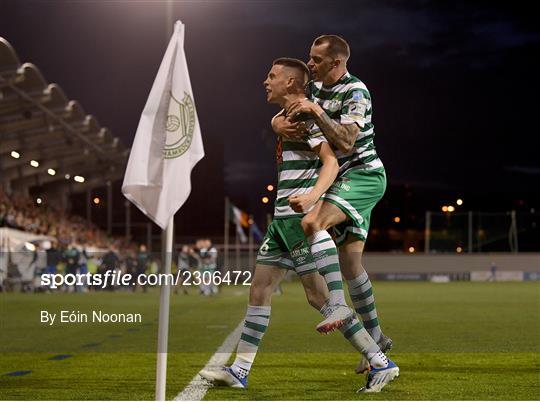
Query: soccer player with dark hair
point(302, 181)
point(341, 106)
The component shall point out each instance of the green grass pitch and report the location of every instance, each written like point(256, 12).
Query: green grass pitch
point(455, 341)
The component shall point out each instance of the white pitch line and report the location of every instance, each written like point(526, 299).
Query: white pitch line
point(196, 389)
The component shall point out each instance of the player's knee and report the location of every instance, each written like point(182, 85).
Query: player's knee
point(260, 293)
point(258, 299)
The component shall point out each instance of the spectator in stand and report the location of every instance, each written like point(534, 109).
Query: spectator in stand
point(54, 256)
point(142, 266)
point(210, 263)
point(41, 258)
point(207, 259)
point(130, 266)
point(83, 266)
point(71, 258)
point(19, 212)
point(110, 260)
point(183, 264)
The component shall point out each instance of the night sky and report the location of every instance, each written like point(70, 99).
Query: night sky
point(454, 86)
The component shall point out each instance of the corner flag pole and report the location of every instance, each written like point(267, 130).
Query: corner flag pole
point(164, 301)
point(158, 173)
point(165, 293)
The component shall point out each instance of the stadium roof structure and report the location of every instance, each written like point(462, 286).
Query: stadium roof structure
point(38, 123)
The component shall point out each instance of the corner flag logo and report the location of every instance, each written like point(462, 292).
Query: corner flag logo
point(180, 125)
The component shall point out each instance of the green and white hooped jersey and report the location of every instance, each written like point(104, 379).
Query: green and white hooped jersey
point(298, 169)
point(348, 101)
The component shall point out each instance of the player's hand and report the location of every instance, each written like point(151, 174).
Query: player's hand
point(303, 106)
point(302, 203)
point(289, 129)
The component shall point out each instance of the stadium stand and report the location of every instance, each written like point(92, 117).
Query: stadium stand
point(39, 124)
point(50, 148)
point(20, 212)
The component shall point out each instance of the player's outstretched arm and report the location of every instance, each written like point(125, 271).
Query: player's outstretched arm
point(327, 175)
point(342, 136)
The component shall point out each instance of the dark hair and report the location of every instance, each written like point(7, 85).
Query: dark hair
point(299, 65)
point(337, 46)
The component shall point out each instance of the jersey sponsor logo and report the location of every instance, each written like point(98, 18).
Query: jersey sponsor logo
point(301, 260)
point(332, 105)
point(340, 184)
point(179, 125)
point(357, 108)
point(357, 95)
point(297, 245)
point(299, 253)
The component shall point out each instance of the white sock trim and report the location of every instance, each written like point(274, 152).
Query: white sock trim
point(358, 281)
point(319, 236)
point(258, 310)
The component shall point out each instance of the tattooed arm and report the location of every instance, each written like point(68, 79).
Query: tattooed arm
point(342, 136)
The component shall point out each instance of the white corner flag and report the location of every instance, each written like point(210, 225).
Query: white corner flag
point(167, 146)
point(168, 141)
